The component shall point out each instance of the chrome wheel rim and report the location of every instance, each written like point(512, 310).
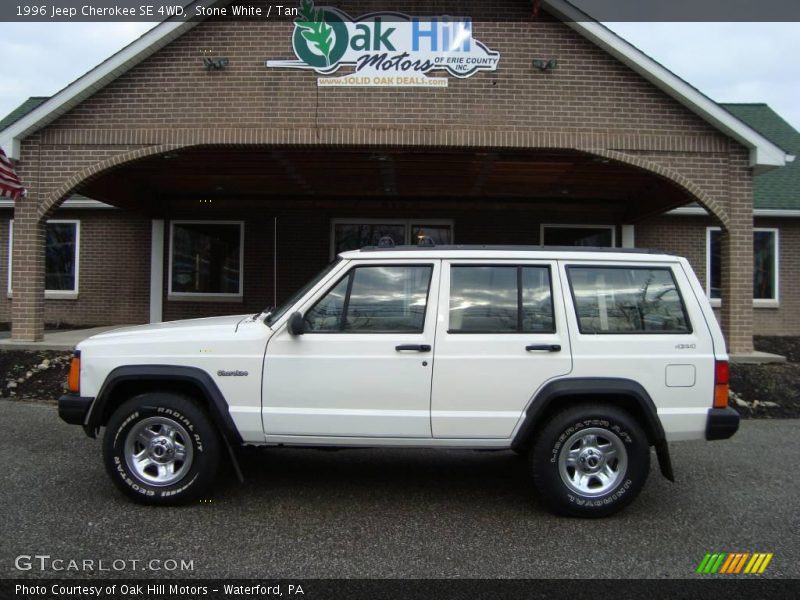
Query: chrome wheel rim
point(158, 451)
point(592, 461)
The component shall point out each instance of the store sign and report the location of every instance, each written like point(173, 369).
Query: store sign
point(386, 49)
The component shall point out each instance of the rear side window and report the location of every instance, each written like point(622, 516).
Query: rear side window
point(627, 300)
point(500, 299)
point(379, 299)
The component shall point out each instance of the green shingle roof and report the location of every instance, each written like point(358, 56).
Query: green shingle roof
point(779, 188)
point(22, 110)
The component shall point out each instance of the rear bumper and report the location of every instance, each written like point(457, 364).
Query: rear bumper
point(73, 408)
point(721, 423)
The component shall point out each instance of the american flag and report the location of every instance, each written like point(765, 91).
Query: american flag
point(10, 183)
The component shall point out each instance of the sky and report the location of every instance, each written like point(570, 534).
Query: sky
point(730, 62)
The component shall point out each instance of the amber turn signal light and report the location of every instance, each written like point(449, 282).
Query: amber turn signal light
point(721, 380)
point(74, 380)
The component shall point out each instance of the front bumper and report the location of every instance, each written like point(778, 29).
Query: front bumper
point(721, 423)
point(73, 408)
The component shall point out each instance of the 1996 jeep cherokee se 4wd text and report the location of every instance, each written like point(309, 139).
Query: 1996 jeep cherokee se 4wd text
point(582, 360)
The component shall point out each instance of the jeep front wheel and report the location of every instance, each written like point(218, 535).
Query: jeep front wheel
point(161, 448)
point(590, 461)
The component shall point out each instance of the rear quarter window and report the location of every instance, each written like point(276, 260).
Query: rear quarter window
point(625, 300)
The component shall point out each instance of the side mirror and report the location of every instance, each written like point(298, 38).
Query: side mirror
point(296, 325)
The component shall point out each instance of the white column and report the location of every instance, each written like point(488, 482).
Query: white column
point(628, 238)
point(157, 271)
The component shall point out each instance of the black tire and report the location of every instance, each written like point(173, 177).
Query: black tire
point(622, 458)
point(176, 426)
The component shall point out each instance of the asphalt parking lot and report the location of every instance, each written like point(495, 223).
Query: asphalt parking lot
point(393, 513)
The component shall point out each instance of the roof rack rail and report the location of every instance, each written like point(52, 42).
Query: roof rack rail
point(515, 248)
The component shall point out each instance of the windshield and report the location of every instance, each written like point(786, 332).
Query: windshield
point(278, 312)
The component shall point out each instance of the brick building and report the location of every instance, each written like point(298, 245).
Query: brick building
point(186, 177)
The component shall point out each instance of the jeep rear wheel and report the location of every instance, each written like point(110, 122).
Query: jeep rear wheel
point(590, 461)
point(161, 448)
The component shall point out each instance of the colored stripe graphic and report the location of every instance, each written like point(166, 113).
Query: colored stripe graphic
point(733, 563)
point(765, 563)
point(729, 563)
point(703, 563)
point(715, 562)
point(755, 562)
point(741, 562)
point(719, 562)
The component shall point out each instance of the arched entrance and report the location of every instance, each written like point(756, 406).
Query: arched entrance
point(532, 173)
point(290, 197)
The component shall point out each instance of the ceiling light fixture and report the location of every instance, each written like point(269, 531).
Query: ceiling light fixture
point(544, 64)
point(213, 63)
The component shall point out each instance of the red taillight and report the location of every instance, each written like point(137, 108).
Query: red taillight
point(721, 372)
point(721, 379)
point(74, 379)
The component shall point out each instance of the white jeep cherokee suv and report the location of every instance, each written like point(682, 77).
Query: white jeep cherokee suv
point(579, 359)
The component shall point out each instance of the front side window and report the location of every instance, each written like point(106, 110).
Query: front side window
point(326, 315)
point(375, 299)
point(206, 258)
point(277, 312)
point(627, 300)
point(62, 240)
point(500, 299)
point(765, 264)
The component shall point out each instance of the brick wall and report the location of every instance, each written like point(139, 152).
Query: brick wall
point(785, 319)
point(114, 276)
point(589, 92)
point(686, 236)
point(680, 235)
point(115, 246)
point(590, 102)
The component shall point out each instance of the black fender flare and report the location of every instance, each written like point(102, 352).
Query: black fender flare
point(598, 387)
point(215, 401)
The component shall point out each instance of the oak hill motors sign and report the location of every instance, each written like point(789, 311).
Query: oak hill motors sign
point(386, 49)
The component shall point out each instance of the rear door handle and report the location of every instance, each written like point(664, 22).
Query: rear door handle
point(544, 347)
point(413, 348)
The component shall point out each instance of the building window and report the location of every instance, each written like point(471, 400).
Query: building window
point(352, 234)
point(206, 259)
point(62, 257)
point(440, 234)
point(765, 264)
point(627, 300)
point(601, 236)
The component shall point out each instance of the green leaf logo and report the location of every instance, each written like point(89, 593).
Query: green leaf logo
point(315, 30)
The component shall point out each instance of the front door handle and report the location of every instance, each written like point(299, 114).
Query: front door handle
point(544, 347)
point(413, 348)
